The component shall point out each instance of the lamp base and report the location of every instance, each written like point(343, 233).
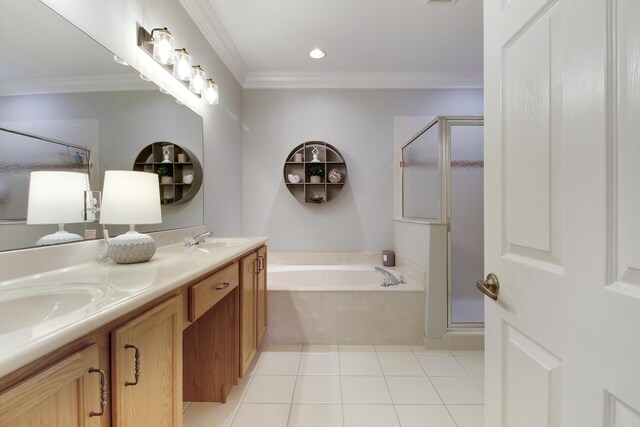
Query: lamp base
point(59, 236)
point(131, 247)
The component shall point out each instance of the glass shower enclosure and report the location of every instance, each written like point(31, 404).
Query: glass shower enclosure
point(442, 182)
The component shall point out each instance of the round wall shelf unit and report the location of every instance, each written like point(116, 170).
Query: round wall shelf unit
point(321, 170)
point(179, 171)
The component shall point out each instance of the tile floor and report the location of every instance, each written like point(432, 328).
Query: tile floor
point(352, 386)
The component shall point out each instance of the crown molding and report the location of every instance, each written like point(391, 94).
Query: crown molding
point(362, 80)
point(207, 21)
point(99, 83)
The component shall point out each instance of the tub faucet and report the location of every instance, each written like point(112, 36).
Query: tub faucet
point(197, 239)
point(389, 279)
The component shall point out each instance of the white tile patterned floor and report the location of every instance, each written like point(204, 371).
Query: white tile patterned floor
point(352, 386)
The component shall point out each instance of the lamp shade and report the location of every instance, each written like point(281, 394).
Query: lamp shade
point(130, 197)
point(56, 197)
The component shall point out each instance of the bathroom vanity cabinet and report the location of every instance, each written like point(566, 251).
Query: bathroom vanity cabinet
point(253, 305)
point(144, 388)
point(64, 394)
point(261, 296)
point(191, 342)
point(147, 368)
point(214, 335)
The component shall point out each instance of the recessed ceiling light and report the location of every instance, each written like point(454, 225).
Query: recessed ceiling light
point(317, 53)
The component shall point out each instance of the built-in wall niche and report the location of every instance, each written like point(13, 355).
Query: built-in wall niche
point(179, 171)
point(315, 172)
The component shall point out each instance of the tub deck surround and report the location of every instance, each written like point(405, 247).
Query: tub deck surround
point(341, 301)
point(125, 287)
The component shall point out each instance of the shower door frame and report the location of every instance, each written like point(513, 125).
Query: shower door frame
point(444, 168)
point(447, 122)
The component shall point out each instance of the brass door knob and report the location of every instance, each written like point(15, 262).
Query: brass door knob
point(490, 286)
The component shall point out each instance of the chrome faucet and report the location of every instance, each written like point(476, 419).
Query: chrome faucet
point(197, 239)
point(389, 279)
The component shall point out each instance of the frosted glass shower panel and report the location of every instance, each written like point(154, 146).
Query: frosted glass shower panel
point(421, 176)
point(467, 223)
point(22, 154)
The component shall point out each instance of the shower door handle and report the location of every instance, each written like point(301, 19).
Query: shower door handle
point(490, 286)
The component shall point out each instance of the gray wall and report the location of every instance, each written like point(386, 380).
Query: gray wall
point(357, 122)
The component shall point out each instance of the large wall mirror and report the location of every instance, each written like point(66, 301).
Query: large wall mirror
point(66, 104)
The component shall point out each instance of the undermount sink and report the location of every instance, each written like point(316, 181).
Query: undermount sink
point(25, 306)
point(223, 243)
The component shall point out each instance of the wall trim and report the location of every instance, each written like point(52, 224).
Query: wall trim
point(213, 30)
point(98, 83)
point(361, 80)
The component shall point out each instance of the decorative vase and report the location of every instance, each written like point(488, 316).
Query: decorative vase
point(336, 176)
point(297, 157)
point(315, 179)
point(166, 179)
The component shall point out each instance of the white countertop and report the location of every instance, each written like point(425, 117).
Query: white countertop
point(121, 288)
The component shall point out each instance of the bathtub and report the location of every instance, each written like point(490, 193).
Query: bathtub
point(334, 278)
point(341, 304)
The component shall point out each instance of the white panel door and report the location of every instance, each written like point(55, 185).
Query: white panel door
point(562, 212)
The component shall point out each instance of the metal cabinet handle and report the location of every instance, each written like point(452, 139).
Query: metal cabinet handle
point(490, 286)
point(137, 364)
point(261, 262)
point(257, 265)
point(221, 286)
point(103, 392)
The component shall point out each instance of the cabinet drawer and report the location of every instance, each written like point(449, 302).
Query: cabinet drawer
point(205, 294)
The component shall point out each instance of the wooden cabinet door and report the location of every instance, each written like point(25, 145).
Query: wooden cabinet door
point(147, 368)
point(63, 395)
point(248, 343)
point(261, 295)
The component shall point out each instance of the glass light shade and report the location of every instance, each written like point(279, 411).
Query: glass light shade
point(130, 197)
point(210, 92)
point(56, 197)
point(182, 65)
point(198, 80)
point(163, 43)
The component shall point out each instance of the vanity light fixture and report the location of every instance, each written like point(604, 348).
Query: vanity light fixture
point(159, 45)
point(198, 80)
point(210, 92)
point(57, 197)
point(130, 197)
point(317, 53)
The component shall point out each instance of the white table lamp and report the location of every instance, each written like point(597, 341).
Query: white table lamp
point(130, 197)
point(57, 197)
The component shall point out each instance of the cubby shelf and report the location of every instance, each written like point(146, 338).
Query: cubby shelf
point(329, 158)
point(171, 193)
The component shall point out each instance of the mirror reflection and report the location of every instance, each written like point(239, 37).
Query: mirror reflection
point(77, 112)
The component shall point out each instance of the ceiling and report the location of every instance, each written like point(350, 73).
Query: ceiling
point(34, 63)
point(395, 39)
